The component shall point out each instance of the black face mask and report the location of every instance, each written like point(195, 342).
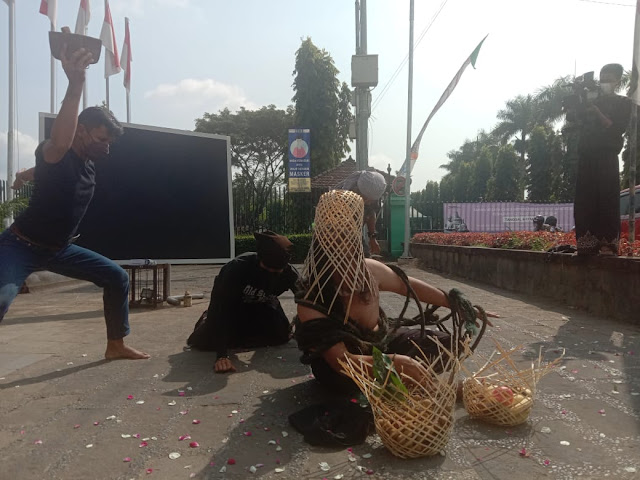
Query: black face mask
point(96, 150)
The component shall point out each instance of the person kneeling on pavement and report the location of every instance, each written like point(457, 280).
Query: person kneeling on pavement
point(244, 311)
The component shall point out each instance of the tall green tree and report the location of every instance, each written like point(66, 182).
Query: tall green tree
point(258, 151)
point(321, 104)
point(503, 185)
point(539, 166)
point(481, 174)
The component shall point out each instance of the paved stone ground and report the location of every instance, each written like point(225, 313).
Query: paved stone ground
point(53, 378)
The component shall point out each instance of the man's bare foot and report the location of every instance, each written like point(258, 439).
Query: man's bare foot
point(116, 349)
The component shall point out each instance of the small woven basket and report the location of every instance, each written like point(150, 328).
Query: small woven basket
point(499, 392)
point(419, 423)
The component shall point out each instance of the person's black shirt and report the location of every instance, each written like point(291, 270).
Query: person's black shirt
point(243, 284)
point(594, 137)
point(62, 192)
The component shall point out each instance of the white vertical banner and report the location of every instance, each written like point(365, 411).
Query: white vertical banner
point(125, 62)
point(82, 23)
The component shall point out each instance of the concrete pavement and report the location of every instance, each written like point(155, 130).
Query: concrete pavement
point(65, 412)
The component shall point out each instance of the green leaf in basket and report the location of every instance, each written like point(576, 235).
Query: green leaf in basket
point(382, 368)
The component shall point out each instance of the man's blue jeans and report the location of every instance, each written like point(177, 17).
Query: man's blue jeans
point(18, 259)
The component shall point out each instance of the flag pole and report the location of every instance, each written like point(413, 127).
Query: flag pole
point(85, 90)
point(107, 81)
point(53, 77)
point(407, 183)
point(128, 66)
point(12, 104)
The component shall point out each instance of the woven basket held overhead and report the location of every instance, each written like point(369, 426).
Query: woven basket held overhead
point(418, 423)
point(499, 392)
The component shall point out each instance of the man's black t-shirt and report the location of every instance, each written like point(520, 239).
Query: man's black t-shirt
point(62, 192)
point(240, 287)
point(594, 137)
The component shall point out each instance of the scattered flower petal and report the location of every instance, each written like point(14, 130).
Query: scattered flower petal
point(143, 444)
point(324, 466)
point(89, 446)
point(547, 462)
point(184, 412)
point(285, 434)
point(154, 438)
point(126, 459)
point(38, 442)
point(349, 449)
point(247, 434)
point(149, 471)
point(279, 470)
point(125, 435)
point(189, 388)
point(241, 420)
point(545, 430)
point(253, 469)
point(196, 422)
point(96, 423)
point(271, 442)
point(136, 435)
point(369, 471)
point(278, 448)
point(174, 455)
point(231, 461)
point(524, 453)
point(339, 476)
point(234, 411)
point(267, 429)
point(129, 397)
point(565, 443)
point(194, 445)
point(367, 455)
point(223, 469)
point(140, 402)
point(192, 475)
point(171, 403)
point(111, 417)
point(630, 469)
point(184, 437)
point(76, 426)
point(265, 391)
point(601, 411)
point(181, 394)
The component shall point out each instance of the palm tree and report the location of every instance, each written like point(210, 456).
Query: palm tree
point(549, 99)
point(518, 119)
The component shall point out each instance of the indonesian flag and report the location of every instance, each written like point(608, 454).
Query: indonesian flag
point(126, 59)
point(84, 15)
point(49, 8)
point(108, 37)
point(634, 90)
point(415, 148)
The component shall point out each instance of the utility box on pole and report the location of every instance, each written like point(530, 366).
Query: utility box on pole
point(364, 71)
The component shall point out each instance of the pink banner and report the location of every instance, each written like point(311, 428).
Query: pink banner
point(503, 216)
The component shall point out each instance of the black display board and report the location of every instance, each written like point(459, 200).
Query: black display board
point(161, 194)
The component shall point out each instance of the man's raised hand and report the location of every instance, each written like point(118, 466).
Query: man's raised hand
point(76, 64)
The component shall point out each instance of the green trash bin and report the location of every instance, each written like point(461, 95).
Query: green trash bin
point(396, 234)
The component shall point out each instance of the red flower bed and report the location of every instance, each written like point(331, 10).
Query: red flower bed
point(536, 241)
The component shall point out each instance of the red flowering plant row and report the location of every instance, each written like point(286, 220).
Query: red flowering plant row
point(536, 241)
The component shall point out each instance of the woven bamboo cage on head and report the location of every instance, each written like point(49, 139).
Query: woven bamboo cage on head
point(336, 255)
point(501, 393)
point(417, 423)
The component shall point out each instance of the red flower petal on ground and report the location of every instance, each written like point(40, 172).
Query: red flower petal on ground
point(231, 461)
point(129, 397)
point(126, 459)
point(194, 445)
point(149, 471)
point(196, 422)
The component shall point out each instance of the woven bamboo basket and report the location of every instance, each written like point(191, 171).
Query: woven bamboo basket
point(419, 423)
point(499, 392)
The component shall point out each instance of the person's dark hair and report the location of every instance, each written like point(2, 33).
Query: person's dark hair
point(96, 117)
point(613, 68)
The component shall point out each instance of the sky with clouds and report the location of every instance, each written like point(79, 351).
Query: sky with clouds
point(196, 56)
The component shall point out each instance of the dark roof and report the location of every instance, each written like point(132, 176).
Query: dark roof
point(330, 178)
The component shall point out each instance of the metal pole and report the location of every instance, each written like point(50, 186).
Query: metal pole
point(12, 104)
point(362, 94)
point(85, 90)
point(53, 77)
point(128, 107)
point(107, 82)
point(128, 88)
point(633, 158)
point(407, 186)
point(357, 27)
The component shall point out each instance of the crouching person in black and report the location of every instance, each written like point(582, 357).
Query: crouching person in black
point(244, 311)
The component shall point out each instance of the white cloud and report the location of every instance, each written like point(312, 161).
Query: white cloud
point(380, 161)
point(205, 93)
point(25, 146)
point(134, 8)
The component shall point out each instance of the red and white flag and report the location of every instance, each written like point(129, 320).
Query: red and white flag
point(49, 8)
point(84, 15)
point(108, 37)
point(126, 59)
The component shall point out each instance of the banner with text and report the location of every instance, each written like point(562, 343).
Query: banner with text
point(503, 216)
point(299, 160)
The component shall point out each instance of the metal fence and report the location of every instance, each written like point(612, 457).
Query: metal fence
point(279, 210)
point(23, 193)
